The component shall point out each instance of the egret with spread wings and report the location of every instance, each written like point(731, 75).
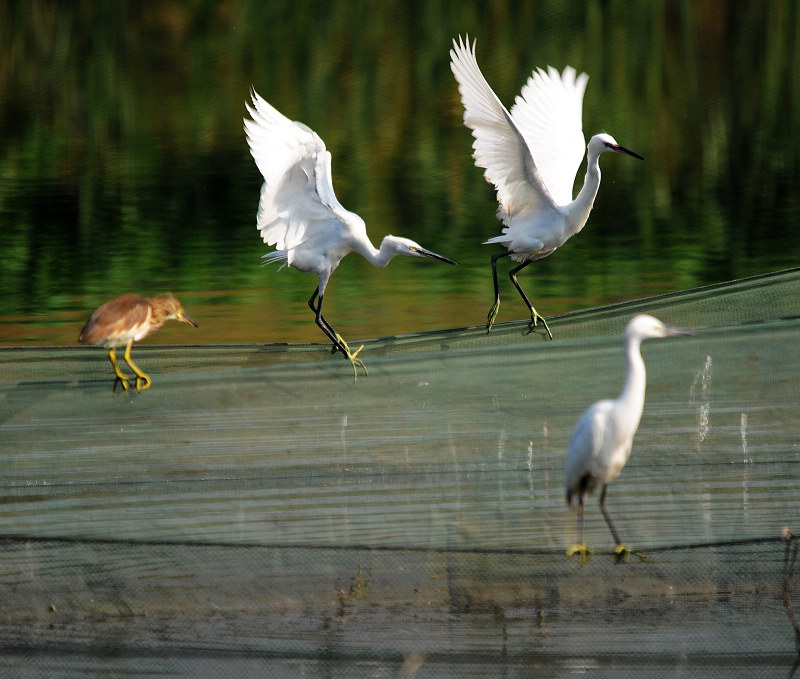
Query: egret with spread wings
point(531, 154)
point(298, 211)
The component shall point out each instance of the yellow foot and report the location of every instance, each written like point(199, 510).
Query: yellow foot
point(342, 345)
point(536, 317)
point(584, 553)
point(492, 315)
point(622, 553)
point(357, 363)
point(123, 380)
point(358, 589)
point(143, 383)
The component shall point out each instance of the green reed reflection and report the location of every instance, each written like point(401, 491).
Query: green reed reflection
point(124, 165)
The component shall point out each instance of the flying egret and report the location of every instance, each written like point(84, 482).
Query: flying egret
point(128, 319)
point(602, 440)
point(531, 155)
point(299, 213)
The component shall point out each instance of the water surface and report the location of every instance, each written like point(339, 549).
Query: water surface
point(125, 168)
point(259, 507)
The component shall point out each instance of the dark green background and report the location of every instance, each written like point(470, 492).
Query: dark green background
point(123, 164)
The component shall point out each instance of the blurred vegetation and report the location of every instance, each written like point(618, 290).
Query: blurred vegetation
point(123, 164)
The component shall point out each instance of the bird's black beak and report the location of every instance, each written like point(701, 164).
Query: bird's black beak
point(422, 252)
point(622, 149)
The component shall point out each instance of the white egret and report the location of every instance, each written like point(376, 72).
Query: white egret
point(299, 213)
point(602, 440)
point(531, 155)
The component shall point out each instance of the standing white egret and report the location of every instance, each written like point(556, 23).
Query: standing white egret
point(531, 155)
point(299, 213)
point(601, 443)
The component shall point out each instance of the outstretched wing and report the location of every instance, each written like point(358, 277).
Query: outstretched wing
point(548, 113)
point(499, 147)
point(297, 198)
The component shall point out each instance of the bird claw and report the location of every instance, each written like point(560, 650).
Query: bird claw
point(340, 345)
point(584, 553)
point(357, 363)
point(146, 382)
point(142, 383)
point(622, 553)
point(532, 325)
point(492, 316)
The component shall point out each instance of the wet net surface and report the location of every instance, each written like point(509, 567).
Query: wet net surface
point(259, 513)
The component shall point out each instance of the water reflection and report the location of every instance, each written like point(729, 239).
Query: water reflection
point(700, 395)
point(124, 167)
point(277, 513)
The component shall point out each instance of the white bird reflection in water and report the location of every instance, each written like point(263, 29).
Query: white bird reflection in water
point(700, 396)
point(343, 423)
point(530, 469)
point(747, 462)
point(743, 433)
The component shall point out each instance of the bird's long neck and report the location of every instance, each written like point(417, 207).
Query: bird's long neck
point(633, 392)
point(376, 257)
point(580, 208)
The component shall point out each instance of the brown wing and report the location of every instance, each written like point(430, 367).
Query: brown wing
point(117, 321)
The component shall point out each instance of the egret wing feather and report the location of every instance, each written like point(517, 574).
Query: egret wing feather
point(297, 198)
point(499, 147)
point(548, 113)
point(583, 452)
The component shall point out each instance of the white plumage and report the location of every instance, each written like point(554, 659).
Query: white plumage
point(531, 154)
point(601, 443)
point(298, 211)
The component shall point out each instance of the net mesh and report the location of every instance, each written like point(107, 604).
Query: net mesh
point(259, 513)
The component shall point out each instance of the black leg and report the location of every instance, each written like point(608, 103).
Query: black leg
point(622, 551)
point(608, 517)
point(315, 304)
point(496, 306)
point(513, 276)
point(534, 314)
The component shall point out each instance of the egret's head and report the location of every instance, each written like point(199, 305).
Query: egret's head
point(405, 246)
point(605, 142)
point(645, 326)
